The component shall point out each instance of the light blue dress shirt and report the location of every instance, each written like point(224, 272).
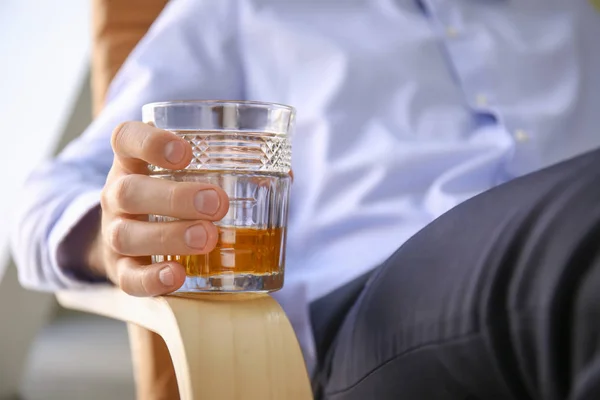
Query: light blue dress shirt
point(405, 109)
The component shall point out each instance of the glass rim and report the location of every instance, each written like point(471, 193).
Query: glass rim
point(251, 103)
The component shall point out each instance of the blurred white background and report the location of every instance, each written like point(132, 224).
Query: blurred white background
point(46, 353)
point(44, 47)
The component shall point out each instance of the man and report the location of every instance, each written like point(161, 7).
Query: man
point(405, 109)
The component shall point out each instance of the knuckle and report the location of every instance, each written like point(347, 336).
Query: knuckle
point(121, 192)
point(115, 235)
point(122, 280)
point(104, 199)
point(146, 278)
point(172, 197)
point(147, 143)
point(163, 237)
point(119, 135)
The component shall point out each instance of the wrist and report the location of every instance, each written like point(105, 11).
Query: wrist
point(79, 253)
point(94, 257)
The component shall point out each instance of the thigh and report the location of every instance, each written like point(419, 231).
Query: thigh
point(328, 313)
point(483, 302)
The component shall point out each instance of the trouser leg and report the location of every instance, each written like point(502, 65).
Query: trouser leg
point(497, 299)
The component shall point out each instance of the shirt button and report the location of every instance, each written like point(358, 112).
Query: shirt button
point(521, 135)
point(451, 32)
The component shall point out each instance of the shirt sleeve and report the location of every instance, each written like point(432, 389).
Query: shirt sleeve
point(190, 52)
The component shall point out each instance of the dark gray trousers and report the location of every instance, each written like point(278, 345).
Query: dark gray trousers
point(497, 299)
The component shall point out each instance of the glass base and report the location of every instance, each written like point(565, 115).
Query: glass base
point(232, 283)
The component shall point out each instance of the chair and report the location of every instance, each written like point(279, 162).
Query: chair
point(229, 346)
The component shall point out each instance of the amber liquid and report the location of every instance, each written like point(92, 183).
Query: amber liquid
point(239, 251)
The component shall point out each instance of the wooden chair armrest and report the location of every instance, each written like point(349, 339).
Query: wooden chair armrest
point(238, 346)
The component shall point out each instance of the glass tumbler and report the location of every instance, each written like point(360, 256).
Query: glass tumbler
point(243, 147)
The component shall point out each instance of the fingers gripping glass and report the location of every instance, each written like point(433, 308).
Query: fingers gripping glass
point(245, 148)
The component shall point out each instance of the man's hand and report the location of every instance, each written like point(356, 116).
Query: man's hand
point(126, 238)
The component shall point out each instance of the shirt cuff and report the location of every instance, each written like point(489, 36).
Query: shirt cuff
point(69, 238)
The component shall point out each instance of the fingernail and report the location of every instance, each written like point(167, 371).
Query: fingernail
point(207, 202)
point(166, 276)
point(174, 151)
point(196, 237)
